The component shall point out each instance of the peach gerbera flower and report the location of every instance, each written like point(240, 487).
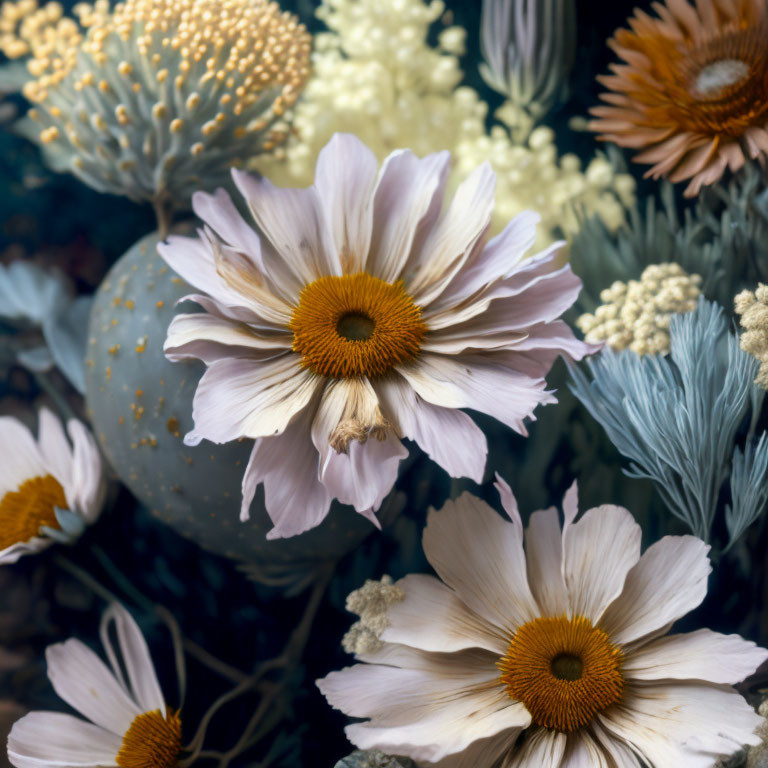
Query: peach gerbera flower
point(552, 656)
point(692, 93)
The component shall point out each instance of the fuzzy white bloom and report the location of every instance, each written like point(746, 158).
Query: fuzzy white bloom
point(370, 603)
point(752, 306)
point(130, 724)
point(636, 315)
point(551, 654)
point(49, 489)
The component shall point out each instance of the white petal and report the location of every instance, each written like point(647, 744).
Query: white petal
point(54, 739)
point(447, 435)
point(408, 199)
point(582, 751)
point(249, 398)
point(11, 554)
point(481, 753)
point(480, 556)
point(55, 448)
point(87, 481)
point(541, 749)
point(85, 682)
point(701, 655)
point(669, 580)
point(210, 338)
point(544, 552)
point(20, 457)
point(682, 725)
point(433, 618)
point(616, 749)
point(477, 383)
point(345, 178)
point(138, 663)
point(598, 552)
point(287, 465)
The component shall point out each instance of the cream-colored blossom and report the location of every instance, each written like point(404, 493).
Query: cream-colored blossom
point(636, 315)
point(375, 75)
point(752, 306)
point(371, 603)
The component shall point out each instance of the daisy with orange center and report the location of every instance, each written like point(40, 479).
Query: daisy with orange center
point(358, 312)
point(130, 725)
point(548, 648)
point(49, 489)
point(691, 93)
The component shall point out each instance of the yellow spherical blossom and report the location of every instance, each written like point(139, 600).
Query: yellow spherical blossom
point(752, 306)
point(375, 75)
point(155, 98)
point(635, 315)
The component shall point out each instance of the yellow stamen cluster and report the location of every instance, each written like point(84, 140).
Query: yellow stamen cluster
point(25, 511)
point(153, 98)
point(636, 315)
point(152, 741)
point(371, 603)
point(752, 306)
point(565, 671)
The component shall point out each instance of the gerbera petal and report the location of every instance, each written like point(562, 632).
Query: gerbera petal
point(432, 618)
point(544, 555)
point(669, 580)
point(674, 724)
point(541, 748)
point(52, 738)
point(345, 178)
point(480, 556)
point(249, 398)
point(85, 682)
point(598, 553)
point(701, 655)
point(448, 436)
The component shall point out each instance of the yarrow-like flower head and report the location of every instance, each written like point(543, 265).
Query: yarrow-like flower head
point(49, 489)
point(130, 725)
point(692, 91)
point(752, 307)
point(153, 98)
point(364, 313)
point(551, 654)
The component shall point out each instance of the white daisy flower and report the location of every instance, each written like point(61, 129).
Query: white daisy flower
point(364, 312)
point(49, 489)
point(130, 725)
point(552, 657)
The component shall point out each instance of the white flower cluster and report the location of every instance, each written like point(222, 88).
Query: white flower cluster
point(375, 75)
point(752, 306)
point(635, 315)
point(370, 603)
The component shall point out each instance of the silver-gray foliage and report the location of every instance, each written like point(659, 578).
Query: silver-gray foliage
point(374, 759)
point(528, 47)
point(676, 418)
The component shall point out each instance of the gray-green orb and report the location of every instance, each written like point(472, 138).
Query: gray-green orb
point(140, 405)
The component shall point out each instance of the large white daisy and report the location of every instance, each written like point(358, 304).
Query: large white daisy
point(364, 312)
point(49, 490)
point(553, 657)
point(130, 725)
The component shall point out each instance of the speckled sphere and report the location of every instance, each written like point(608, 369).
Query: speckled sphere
point(141, 408)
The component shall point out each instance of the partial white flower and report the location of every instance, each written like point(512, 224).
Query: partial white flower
point(130, 725)
point(50, 489)
point(29, 293)
point(364, 312)
point(555, 656)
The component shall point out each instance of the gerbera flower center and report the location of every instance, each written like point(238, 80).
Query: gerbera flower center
point(25, 511)
point(355, 326)
point(715, 77)
point(152, 741)
point(565, 671)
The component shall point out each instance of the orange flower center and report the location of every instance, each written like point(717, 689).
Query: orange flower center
point(152, 741)
point(355, 325)
point(565, 671)
point(24, 512)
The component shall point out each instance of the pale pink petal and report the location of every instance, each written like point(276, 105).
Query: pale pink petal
point(433, 618)
point(598, 553)
point(448, 436)
point(544, 553)
point(479, 383)
point(249, 398)
point(408, 198)
point(480, 556)
point(701, 655)
point(682, 724)
point(295, 498)
point(85, 682)
point(541, 748)
point(481, 753)
point(345, 178)
point(669, 580)
point(42, 739)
